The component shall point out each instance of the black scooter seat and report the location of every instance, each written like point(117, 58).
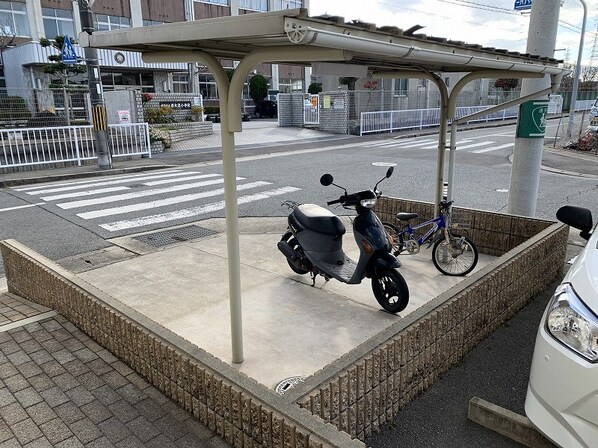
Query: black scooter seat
point(318, 219)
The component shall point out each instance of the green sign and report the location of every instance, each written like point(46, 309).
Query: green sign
point(532, 119)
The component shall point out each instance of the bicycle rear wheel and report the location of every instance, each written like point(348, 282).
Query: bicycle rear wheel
point(458, 256)
point(396, 238)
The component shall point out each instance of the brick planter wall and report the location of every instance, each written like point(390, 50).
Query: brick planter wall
point(368, 386)
point(349, 398)
point(235, 407)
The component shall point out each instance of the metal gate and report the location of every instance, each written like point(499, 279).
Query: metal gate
point(311, 110)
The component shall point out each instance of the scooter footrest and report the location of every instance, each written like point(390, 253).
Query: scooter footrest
point(344, 271)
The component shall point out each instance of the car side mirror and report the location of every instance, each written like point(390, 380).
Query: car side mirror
point(577, 217)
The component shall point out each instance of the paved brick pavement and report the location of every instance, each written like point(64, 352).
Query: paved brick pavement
point(58, 388)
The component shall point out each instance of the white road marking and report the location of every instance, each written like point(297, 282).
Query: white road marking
point(494, 148)
point(139, 194)
point(83, 193)
point(459, 147)
point(165, 202)
point(18, 207)
point(103, 183)
point(179, 179)
point(190, 212)
point(89, 181)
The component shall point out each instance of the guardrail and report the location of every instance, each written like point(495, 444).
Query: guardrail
point(39, 146)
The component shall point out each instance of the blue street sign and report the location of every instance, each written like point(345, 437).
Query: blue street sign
point(68, 52)
point(521, 5)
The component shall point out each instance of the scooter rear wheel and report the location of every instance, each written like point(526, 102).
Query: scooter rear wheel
point(390, 290)
point(289, 238)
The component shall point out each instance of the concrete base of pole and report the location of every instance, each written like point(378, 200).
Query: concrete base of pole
point(104, 156)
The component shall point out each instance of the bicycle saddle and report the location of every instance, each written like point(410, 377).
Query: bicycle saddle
point(402, 216)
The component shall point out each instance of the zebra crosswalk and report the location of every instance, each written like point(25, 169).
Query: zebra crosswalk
point(476, 147)
point(129, 202)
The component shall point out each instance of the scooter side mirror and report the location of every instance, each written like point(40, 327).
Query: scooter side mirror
point(390, 171)
point(326, 179)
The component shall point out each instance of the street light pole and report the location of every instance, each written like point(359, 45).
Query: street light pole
point(100, 124)
point(577, 70)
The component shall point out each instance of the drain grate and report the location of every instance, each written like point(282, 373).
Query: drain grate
point(288, 383)
point(167, 237)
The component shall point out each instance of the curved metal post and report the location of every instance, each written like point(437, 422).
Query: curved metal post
point(230, 188)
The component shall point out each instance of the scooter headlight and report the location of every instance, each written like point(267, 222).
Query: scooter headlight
point(368, 203)
point(572, 323)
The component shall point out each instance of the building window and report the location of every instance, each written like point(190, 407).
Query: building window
point(214, 2)
point(401, 86)
point(104, 22)
point(58, 22)
point(287, 4)
point(13, 19)
point(207, 87)
point(180, 83)
point(120, 81)
point(254, 5)
point(289, 85)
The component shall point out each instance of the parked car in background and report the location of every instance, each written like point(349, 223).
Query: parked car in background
point(594, 109)
point(266, 108)
point(562, 398)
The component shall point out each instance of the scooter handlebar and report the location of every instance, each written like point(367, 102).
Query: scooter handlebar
point(336, 201)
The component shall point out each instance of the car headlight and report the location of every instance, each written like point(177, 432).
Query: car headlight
point(368, 203)
point(572, 323)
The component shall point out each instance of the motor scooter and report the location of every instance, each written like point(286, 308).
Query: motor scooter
point(313, 243)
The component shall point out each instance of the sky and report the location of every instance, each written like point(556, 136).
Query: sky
point(492, 23)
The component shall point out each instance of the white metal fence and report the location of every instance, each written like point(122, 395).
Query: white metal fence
point(40, 146)
point(395, 120)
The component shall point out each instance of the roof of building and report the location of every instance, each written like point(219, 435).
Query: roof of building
point(383, 48)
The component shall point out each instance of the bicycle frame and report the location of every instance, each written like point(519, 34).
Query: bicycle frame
point(437, 224)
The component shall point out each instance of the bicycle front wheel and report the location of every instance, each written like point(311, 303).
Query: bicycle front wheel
point(458, 256)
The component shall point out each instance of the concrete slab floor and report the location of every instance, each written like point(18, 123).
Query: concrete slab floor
point(289, 327)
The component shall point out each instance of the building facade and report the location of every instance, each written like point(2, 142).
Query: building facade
point(24, 22)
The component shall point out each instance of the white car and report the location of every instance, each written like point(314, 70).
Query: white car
point(594, 109)
point(562, 396)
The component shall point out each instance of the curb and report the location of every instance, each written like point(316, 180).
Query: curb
point(67, 176)
point(514, 426)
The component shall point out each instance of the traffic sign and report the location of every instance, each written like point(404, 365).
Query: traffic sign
point(68, 52)
point(521, 5)
point(532, 119)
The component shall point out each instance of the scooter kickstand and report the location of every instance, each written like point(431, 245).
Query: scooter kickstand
point(313, 279)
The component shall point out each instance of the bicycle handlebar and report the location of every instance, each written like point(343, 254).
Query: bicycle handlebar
point(445, 204)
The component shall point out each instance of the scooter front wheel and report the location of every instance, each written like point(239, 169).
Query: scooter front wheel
point(390, 290)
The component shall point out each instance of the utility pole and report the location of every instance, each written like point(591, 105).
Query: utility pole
point(577, 71)
point(529, 141)
point(100, 123)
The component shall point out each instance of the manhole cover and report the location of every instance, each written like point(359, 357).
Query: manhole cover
point(288, 383)
point(167, 237)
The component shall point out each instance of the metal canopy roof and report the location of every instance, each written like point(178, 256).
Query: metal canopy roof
point(378, 48)
point(291, 36)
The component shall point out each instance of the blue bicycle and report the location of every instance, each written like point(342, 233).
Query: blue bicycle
point(452, 254)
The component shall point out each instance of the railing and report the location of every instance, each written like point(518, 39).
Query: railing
point(584, 105)
point(395, 120)
point(39, 146)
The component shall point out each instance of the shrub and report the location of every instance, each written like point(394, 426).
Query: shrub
point(212, 110)
point(13, 108)
point(46, 119)
point(162, 114)
point(314, 88)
